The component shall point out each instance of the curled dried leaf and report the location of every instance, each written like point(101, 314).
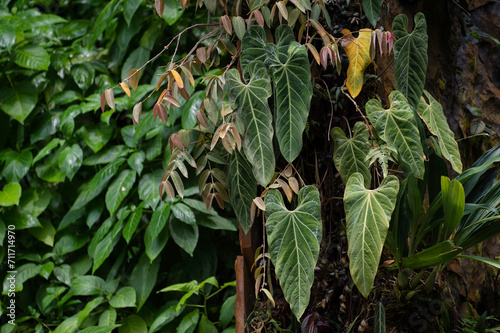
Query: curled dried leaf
point(286, 189)
point(314, 52)
point(136, 113)
point(135, 75)
point(188, 74)
point(110, 98)
point(125, 88)
point(294, 184)
point(228, 144)
point(160, 98)
point(260, 203)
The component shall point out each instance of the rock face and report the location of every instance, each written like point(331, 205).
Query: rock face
point(464, 76)
point(464, 63)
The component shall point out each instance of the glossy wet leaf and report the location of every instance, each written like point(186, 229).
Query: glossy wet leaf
point(70, 160)
point(358, 53)
point(294, 238)
point(243, 189)
point(368, 213)
point(350, 153)
point(431, 112)
point(397, 127)
point(18, 101)
point(143, 279)
point(410, 57)
point(252, 107)
point(119, 189)
point(16, 165)
point(32, 57)
point(10, 194)
point(292, 91)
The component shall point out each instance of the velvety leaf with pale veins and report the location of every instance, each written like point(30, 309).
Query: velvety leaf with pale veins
point(294, 238)
point(368, 213)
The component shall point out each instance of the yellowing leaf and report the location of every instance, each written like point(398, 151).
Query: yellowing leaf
point(358, 53)
point(177, 78)
point(135, 75)
point(125, 88)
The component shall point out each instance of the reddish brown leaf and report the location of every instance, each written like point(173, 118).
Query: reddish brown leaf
point(169, 189)
point(201, 53)
point(219, 199)
point(228, 144)
point(184, 94)
point(208, 201)
point(259, 18)
point(203, 179)
point(125, 88)
point(202, 118)
point(175, 142)
point(222, 191)
point(103, 101)
point(172, 100)
point(159, 5)
point(135, 75)
point(162, 112)
point(226, 22)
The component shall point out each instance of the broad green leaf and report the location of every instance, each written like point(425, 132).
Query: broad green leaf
point(99, 329)
point(410, 57)
point(7, 36)
point(106, 156)
point(215, 222)
point(125, 297)
point(32, 57)
point(189, 322)
point(256, 4)
point(136, 59)
point(19, 101)
point(358, 53)
point(206, 326)
point(251, 101)
point(372, 8)
point(87, 309)
point(173, 11)
point(69, 325)
point(104, 247)
point(227, 311)
point(368, 213)
point(494, 263)
point(133, 324)
point(435, 255)
point(167, 313)
point(132, 223)
point(96, 137)
point(119, 189)
point(148, 188)
point(243, 189)
point(83, 74)
point(136, 161)
point(294, 238)
point(45, 233)
point(17, 165)
point(185, 235)
point(47, 149)
point(184, 213)
point(350, 154)
point(129, 9)
point(21, 218)
point(87, 285)
point(108, 317)
point(69, 243)
point(433, 116)
point(293, 91)
point(143, 278)
point(10, 194)
point(397, 127)
point(252, 46)
point(70, 160)
point(98, 183)
point(156, 235)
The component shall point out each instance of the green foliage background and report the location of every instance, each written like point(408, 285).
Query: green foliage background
point(94, 241)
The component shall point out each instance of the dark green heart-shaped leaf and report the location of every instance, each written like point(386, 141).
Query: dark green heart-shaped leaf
point(397, 127)
point(372, 10)
point(294, 238)
point(17, 165)
point(70, 160)
point(368, 213)
point(350, 154)
point(251, 105)
point(185, 235)
point(125, 297)
point(410, 57)
point(243, 189)
point(19, 101)
point(293, 92)
point(252, 46)
point(433, 116)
